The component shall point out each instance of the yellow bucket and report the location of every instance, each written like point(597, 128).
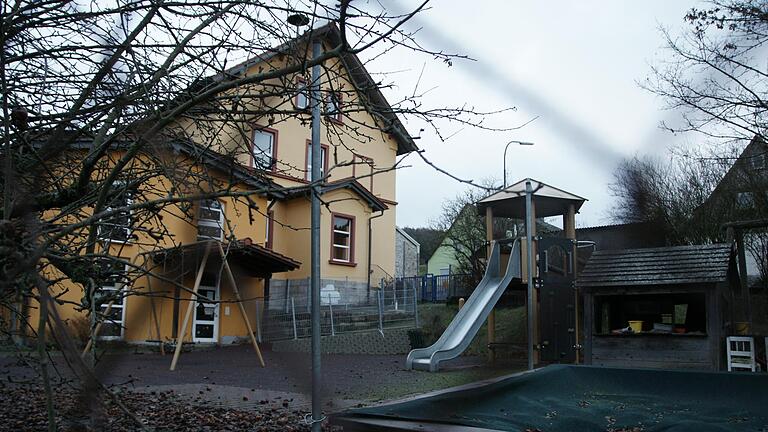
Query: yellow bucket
point(742, 328)
point(637, 326)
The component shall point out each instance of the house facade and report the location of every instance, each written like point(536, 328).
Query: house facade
point(742, 195)
point(407, 251)
point(229, 250)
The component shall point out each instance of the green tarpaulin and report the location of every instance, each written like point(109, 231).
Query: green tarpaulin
point(585, 398)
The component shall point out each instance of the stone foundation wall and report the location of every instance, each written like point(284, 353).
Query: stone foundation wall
point(394, 341)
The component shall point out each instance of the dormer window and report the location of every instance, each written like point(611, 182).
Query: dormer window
point(210, 221)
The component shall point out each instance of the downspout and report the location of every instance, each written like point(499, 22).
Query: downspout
point(370, 241)
point(267, 279)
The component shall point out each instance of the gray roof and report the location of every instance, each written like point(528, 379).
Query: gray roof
point(369, 91)
point(346, 183)
point(657, 266)
point(548, 200)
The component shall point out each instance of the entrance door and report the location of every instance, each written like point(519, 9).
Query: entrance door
point(557, 300)
point(206, 323)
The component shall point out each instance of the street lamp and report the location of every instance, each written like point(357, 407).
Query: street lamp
point(522, 143)
point(299, 20)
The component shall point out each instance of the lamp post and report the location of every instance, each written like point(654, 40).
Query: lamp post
point(522, 143)
point(300, 20)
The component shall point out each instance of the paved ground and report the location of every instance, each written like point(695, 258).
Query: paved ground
point(231, 376)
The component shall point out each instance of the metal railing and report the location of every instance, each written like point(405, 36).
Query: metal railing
point(346, 306)
point(439, 288)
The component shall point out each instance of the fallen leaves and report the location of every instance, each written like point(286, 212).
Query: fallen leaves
point(24, 410)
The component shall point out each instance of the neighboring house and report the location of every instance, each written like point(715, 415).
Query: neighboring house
point(443, 261)
point(407, 251)
point(270, 239)
point(618, 236)
point(742, 195)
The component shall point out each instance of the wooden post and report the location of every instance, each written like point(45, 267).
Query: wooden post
point(461, 303)
point(713, 325)
point(153, 310)
point(97, 330)
point(589, 314)
point(231, 277)
point(746, 303)
point(569, 227)
point(492, 315)
point(192, 301)
point(535, 299)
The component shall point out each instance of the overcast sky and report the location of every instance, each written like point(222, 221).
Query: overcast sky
point(575, 65)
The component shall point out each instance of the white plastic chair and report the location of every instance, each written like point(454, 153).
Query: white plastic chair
point(741, 353)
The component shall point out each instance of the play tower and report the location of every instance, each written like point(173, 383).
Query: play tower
point(546, 272)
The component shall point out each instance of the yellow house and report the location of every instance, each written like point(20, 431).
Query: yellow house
point(260, 229)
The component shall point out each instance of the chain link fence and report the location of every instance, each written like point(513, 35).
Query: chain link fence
point(345, 306)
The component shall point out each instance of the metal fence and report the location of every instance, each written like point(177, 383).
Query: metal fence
point(346, 306)
point(439, 288)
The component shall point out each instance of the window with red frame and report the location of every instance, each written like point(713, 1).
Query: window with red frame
point(333, 106)
point(362, 169)
point(323, 160)
point(264, 149)
point(302, 94)
point(342, 249)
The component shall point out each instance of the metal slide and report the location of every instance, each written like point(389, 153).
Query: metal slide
point(470, 318)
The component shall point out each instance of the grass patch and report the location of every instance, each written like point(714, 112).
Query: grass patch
point(420, 382)
point(510, 326)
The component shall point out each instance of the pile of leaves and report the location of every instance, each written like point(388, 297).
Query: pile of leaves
point(23, 409)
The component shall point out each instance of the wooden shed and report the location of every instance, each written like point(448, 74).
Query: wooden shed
point(678, 299)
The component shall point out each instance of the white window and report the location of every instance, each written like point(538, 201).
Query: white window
point(111, 299)
point(302, 94)
point(210, 222)
point(117, 227)
point(263, 149)
point(333, 105)
point(343, 239)
point(323, 158)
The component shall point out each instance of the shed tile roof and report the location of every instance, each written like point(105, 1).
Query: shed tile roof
point(657, 266)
